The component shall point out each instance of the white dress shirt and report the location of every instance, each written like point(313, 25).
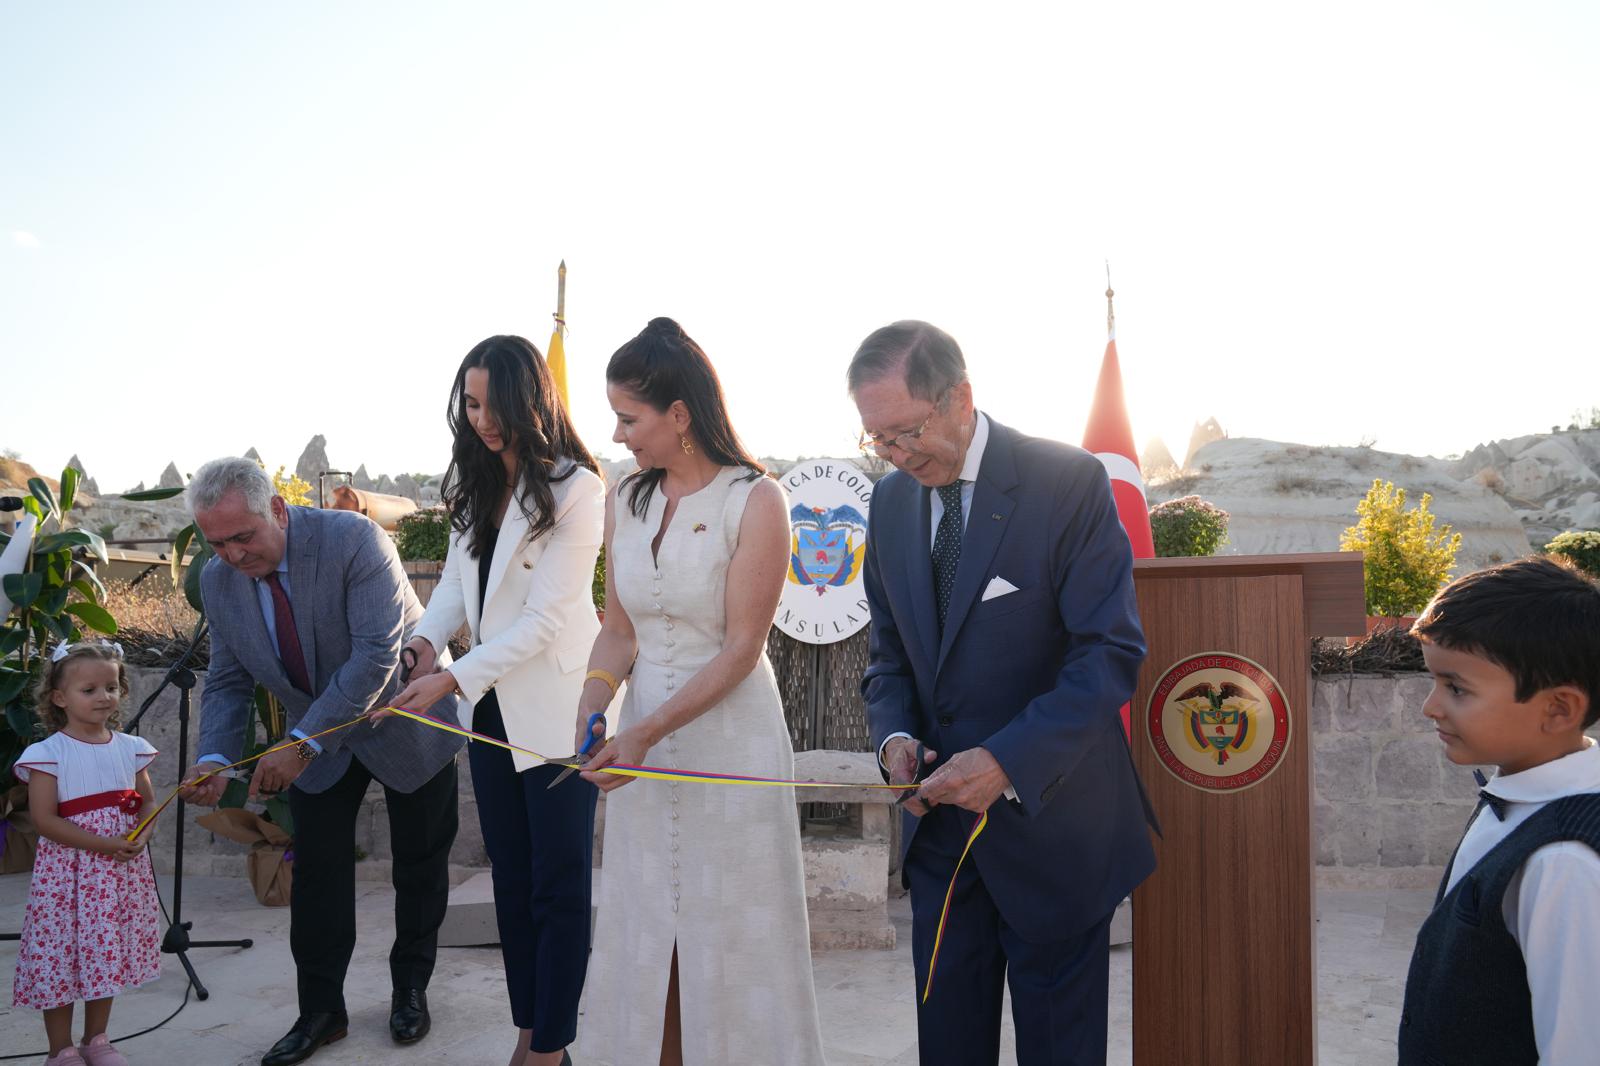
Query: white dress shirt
point(1552, 905)
point(969, 479)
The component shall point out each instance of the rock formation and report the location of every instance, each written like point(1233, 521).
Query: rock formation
point(1503, 497)
point(1296, 498)
point(1551, 480)
point(86, 484)
point(313, 461)
point(406, 485)
point(1157, 461)
point(1204, 433)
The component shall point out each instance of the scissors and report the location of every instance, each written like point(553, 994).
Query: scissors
point(408, 663)
point(233, 773)
point(237, 773)
point(907, 793)
point(583, 753)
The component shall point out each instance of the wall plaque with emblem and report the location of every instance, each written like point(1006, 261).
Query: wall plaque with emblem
point(823, 599)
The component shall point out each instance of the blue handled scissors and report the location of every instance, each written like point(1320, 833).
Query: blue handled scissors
point(583, 753)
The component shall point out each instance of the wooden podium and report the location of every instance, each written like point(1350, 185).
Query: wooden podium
point(1224, 963)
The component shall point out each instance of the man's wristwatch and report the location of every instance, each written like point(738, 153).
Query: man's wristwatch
point(305, 751)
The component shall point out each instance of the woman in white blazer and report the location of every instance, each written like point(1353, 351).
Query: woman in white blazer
point(527, 512)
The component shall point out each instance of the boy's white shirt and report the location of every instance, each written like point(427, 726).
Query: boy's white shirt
point(1552, 905)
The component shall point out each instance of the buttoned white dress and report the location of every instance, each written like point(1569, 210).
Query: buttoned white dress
point(712, 869)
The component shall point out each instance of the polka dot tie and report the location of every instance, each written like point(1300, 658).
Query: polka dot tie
point(947, 548)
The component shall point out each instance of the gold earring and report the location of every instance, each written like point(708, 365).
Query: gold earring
point(686, 444)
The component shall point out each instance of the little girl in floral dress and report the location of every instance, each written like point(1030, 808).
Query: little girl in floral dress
point(91, 927)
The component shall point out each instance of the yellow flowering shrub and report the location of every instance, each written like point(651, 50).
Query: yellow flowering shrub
point(291, 488)
point(1407, 559)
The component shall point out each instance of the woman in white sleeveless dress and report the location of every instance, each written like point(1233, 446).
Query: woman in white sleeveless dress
point(702, 947)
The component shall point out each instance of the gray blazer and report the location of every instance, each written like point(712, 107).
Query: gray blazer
point(354, 610)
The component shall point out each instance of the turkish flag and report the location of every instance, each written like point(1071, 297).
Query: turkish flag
point(1109, 436)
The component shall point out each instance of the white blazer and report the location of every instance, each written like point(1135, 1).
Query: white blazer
point(532, 638)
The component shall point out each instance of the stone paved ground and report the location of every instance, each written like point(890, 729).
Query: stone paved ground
point(866, 997)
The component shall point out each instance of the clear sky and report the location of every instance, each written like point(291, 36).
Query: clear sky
point(226, 225)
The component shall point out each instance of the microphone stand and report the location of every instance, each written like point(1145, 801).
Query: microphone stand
point(176, 941)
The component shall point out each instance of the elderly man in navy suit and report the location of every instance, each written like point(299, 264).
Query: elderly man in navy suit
point(315, 606)
point(1004, 639)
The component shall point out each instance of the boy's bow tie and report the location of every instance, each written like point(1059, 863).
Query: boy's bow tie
point(1497, 804)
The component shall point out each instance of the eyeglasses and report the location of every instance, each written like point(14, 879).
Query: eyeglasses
point(910, 442)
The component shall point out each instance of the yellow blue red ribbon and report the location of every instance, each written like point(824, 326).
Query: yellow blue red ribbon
point(290, 743)
point(654, 773)
point(707, 777)
point(949, 894)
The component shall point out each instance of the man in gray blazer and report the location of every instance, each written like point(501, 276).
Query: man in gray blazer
point(315, 606)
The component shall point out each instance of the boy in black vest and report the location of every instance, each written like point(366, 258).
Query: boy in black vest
point(1506, 967)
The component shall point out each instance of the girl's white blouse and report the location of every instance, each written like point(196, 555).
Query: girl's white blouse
point(84, 769)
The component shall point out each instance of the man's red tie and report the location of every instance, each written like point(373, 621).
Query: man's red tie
point(294, 659)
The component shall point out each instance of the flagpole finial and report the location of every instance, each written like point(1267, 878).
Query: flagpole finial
point(561, 296)
point(1111, 316)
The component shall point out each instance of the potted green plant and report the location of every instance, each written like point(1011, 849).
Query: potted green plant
point(1188, 526)
point(1581, 546)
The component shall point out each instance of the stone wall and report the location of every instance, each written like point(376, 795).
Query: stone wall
point(1386, 796)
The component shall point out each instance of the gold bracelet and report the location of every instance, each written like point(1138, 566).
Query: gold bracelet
point(604, 675)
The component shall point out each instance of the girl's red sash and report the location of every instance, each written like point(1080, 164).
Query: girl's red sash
point(127, 799)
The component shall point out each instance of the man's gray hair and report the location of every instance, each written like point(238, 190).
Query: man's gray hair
point(928, 358)
point(216, 479)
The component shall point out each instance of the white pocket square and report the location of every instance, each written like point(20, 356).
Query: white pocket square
point(998, 586)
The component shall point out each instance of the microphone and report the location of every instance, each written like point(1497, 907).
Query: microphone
point(10, 503)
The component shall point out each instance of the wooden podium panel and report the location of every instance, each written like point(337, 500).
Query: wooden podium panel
point(1224, 966)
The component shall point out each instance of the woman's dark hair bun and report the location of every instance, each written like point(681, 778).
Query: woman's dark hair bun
point(663, 366)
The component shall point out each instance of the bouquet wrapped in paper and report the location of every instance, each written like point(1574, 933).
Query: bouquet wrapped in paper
point(271, 859)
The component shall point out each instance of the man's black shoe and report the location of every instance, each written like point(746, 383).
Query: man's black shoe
point(310, 1031)
point(409, 1020)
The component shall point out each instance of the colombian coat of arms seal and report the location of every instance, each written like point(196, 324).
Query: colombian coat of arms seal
point(1218, 721)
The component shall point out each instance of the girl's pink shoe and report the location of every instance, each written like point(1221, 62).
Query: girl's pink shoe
point(100, 1052)
point(67, 1056)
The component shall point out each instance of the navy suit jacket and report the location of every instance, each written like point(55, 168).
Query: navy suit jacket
point(1035, 676)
